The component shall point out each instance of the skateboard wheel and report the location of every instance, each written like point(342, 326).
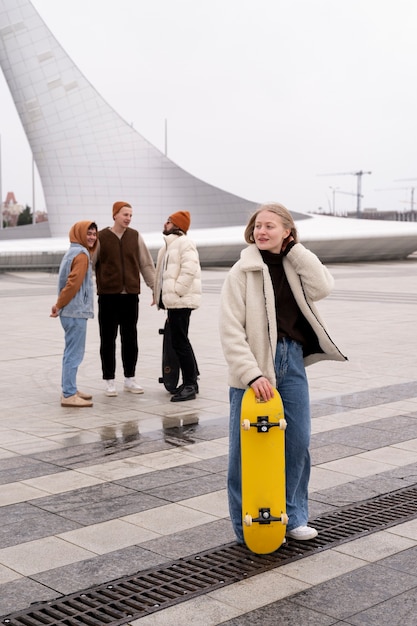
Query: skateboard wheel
point(284, 518)
point(282, 424)
point(247, 520)
point(246, 425)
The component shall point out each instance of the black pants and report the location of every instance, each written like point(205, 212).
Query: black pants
point(118, 311)
point(179, 320)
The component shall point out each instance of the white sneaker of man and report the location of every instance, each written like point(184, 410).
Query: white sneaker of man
point(132, 386)
point(110, 387)
point(302, 533)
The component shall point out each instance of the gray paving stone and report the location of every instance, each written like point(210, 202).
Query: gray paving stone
point(21, 468)
point(359, 437)
point(19, 594)
point(113, 508)
point(215, 429)
point(316, 508)
point(16, 512)
point(161, 478)
point(352, 593)
point(331, 452)
point(283, 612)
point(85, 496)
point(401, 610)
point(71, 456)
point(366, 398)
point(193, 540)
point(217, 464)
point(366, 488)
point(90, 454)
point(399, 423)
point(101, 569)
point(321, 409)
point(344, 494)
point(42, 524)
point(190, 488)
point(405, 561)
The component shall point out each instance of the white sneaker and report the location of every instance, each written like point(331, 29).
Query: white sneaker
point(302, 533)
point(132, 386)
point(110, 389)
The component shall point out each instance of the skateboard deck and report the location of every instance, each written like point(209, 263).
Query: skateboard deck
point(263, 472)
point(170, 363)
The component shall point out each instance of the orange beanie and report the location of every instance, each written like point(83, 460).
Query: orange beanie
point(181, 219)
point(117, 206)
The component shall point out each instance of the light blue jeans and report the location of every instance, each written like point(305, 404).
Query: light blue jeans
point(293, 386)
point(75, 334)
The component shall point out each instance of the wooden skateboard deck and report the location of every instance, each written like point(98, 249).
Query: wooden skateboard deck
point(170, 363)
point(263, 472)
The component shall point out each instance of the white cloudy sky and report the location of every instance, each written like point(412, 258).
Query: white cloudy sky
point(261, 97)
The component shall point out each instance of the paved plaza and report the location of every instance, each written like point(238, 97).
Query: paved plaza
point(90, 495)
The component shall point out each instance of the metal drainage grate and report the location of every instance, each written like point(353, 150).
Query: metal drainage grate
point(132, 597)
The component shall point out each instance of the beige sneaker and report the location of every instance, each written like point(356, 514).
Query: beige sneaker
point(84, 396)
point(75, 401)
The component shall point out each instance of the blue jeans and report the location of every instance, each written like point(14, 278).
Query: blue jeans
point(292, 384)
point(75, 334)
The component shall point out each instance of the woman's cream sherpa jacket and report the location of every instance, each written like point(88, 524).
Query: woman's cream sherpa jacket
point(248, 328)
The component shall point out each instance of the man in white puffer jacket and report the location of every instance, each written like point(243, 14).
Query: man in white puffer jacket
point(178, 290)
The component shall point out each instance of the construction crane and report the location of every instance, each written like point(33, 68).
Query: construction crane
point(336, 190)
point(411, 188)
point(411, 201)
point(358, 194)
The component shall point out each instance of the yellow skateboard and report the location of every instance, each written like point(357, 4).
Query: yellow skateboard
point(263, 472)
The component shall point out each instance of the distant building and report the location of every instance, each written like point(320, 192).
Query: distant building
point(41, 216)
point(11, 210)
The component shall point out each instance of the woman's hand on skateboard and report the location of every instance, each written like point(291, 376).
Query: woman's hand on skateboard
point(263, 389)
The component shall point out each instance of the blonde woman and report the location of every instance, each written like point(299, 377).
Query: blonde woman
point(270, 330)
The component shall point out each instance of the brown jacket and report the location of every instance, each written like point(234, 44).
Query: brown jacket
point(120, 261)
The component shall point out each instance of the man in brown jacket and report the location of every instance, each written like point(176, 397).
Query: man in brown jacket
point(122, 257)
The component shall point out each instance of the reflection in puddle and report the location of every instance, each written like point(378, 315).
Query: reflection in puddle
point(179, 429)
point(114, 437)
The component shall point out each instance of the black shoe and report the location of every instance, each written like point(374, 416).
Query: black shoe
point(187, 393)
point(181, 387)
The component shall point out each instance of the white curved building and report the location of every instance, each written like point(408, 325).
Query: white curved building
point(86, 154)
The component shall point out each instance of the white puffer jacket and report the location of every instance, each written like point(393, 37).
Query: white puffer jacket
point(178, 274)
point(248, 327)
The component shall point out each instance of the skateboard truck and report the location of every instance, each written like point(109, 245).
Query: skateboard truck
point(265, 517)
point(263, 424)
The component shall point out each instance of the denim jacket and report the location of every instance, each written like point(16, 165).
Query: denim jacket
point(82, 304)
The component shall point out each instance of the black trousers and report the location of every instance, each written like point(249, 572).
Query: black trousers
point(116, 311)
point(179, 320)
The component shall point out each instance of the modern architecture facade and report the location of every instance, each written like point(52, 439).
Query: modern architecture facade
point(86, 154)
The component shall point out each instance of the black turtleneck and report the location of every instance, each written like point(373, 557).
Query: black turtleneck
point(290, 321)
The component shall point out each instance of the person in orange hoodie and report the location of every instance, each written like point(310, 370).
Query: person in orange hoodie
point(74, 306)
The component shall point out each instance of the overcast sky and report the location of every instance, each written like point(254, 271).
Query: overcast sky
point(261, 97)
